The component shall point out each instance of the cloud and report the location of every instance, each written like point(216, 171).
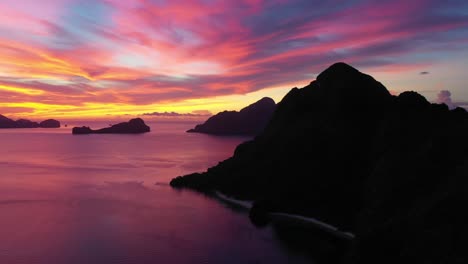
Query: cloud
point(445, 97)
point(424, 73)
point(202, 112)
point(92, 57)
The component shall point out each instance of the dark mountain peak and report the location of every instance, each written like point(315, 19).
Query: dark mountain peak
point(341, 76)
point(264, 103)
point(2, 117)
point(338, 70)
point(137, 121)
point(340, 93)
point(348, 89)
point(411, 99)
point(266, 100)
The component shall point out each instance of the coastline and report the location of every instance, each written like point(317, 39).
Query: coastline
point(289, 219)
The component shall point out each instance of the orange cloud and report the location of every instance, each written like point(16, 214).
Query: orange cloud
point(93, 58)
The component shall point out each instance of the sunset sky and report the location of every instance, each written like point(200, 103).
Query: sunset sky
point(71, 59)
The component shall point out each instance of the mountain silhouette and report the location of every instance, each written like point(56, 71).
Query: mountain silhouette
point(390, 169)
point(134, 126)
point(6, 122)
point(250, 120)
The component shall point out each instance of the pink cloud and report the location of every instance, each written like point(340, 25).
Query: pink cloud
point(140, 52)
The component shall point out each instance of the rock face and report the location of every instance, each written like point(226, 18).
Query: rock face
point(134, 126)
point(391, 169)
point(24, 123)
point(251, 120)
point(50, 123)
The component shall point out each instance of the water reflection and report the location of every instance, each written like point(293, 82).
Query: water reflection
point(93, 199)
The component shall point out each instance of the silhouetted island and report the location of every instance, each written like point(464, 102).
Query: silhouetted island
point(6, 122)
point(250, 120)
point(49, 123)
point(24, 123)
point(134, 126)
point(390, 169)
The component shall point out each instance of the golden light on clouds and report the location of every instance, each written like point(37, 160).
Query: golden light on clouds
point(95, 59)
point(21, 90)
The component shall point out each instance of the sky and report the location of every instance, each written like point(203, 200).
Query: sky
point(76, 59)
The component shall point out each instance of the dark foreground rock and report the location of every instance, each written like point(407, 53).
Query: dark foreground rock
point(134, 126)
point(391, 169)
point(251, 120)
point(24, 123)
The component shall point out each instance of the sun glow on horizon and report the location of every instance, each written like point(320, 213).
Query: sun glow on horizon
point(97, 111)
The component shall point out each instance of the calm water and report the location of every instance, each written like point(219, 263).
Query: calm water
point(105, 199)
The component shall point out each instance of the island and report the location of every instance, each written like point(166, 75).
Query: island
point(249, 121)
point(23, 123)
point(49, 123)
point(6, 122)
point(134, 126)
point(391, 171)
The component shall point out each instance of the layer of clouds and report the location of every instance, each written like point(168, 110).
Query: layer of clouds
point(148, 52)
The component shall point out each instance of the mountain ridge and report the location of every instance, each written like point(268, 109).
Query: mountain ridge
point(347, 152)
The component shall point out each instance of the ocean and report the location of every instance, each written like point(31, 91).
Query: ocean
point(97, 199)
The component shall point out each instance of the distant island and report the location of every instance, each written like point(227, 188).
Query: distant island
point(391, 170)
point(6, 122)
point(249, 121)
point(134, 126)
point(49, 123)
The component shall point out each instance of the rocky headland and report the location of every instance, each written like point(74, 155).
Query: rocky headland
point(392, 170)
